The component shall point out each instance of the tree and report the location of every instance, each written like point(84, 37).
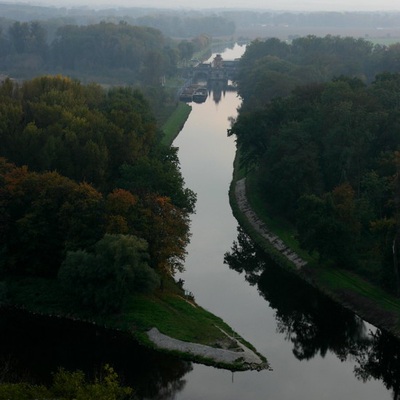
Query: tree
point(121, 211)
point(161, 175)
point(291, 167)
point(320, 229)
point(43, 215)
point(102, 280)
point(166, 229)
point(252, 131)
point(186, 50)
point(134, 129)
point(19, 34)
point(380, 361)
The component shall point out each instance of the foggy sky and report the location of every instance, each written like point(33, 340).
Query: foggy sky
point(291, 5)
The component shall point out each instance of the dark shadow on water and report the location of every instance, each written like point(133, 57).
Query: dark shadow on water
point(381, 360)
point(312, 322)
point(32, 348)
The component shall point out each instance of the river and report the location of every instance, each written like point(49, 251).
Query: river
point(327, 371)
point(317, 349)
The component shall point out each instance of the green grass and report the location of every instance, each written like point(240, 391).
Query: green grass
point(337, 280)
point(175, 123)
point(168, 310)
point(175, 317)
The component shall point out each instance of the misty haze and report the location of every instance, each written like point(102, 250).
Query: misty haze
point(200, 200)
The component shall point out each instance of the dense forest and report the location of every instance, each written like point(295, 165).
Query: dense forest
point(88, 194)
point(319, 129)
point(272, 67)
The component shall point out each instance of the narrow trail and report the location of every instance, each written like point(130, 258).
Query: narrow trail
point(259, 226)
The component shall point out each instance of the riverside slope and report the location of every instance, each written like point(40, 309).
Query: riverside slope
point(383, 313)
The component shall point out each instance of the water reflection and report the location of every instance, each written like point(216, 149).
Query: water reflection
point(313, 323)
point(381, 360)
point(32, 348)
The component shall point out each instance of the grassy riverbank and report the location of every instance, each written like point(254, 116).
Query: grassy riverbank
point(168, 310)
point(355, 293)
point(175, 123)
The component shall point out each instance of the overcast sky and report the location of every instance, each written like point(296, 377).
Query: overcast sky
point(298, 5)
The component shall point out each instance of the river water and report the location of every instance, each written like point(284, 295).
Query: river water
point(314, 347)
point(317, 350)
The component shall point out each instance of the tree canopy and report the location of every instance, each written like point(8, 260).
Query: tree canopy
point(102, 279)
point(84, 181)
point(326, 157)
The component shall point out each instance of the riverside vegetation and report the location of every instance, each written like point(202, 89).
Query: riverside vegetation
point(321, 156)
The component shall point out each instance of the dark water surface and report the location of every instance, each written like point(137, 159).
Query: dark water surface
point(317, 350)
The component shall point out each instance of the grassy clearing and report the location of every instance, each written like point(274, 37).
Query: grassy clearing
point(176, 317)
point(175, 123)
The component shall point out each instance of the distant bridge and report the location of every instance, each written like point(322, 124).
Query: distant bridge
point(217, 70)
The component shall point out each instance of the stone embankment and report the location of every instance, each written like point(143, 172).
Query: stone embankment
point(240, 355)
point(259, 226)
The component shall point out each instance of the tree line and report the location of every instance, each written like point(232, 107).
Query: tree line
point(171, 22)
point(273, 68)
point(126, 53)
point(326, 156)
point(88, 194)
point(314, 19)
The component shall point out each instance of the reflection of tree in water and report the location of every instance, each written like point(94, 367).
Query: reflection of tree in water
point(381, 360)
point(312, 322)
point(246, 258)
point(33, 348)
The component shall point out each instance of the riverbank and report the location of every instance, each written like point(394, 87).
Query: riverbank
point(175, 123)
point(230, 351)
point(351, 291)
point(170, 312)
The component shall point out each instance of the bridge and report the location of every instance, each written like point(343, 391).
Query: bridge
point(217, 70)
